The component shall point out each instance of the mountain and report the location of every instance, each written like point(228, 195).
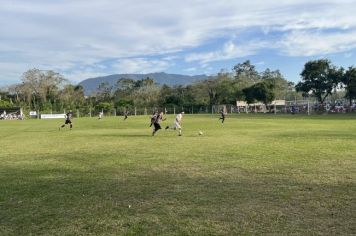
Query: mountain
point(91, 85)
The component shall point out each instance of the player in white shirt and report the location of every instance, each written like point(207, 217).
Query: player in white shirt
point(101, 114)
point(178, 123)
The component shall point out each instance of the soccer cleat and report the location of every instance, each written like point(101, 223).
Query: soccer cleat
point(167, 127)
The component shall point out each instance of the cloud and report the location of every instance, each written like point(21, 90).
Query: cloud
point(348, 55)
point(69, 35)
point(307, 43)
point(229, 51)
point(140, 65)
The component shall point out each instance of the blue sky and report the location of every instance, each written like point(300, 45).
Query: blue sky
point(88, 38)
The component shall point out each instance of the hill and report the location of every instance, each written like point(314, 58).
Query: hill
point(90, 85)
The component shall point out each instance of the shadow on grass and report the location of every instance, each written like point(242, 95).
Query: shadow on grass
point(316, 134)
point(148, 201)
point(133, 135)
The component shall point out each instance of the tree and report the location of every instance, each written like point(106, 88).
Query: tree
point(41, 87)
point(105, 106)
point(123, 95)
point(249, 94)
point(246, 74)
point(282, 88)
point(104, 92)
point(5, 104)
point(264, 92)
point(145, 92)
point(125, 84)
point(320, 78)
point(72, 96)
point(349, 80)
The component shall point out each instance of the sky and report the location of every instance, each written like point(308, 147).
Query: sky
point(87, 38)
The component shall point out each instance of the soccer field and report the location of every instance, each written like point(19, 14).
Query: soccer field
point(254, 174)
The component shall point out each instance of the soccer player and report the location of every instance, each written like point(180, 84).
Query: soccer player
point(126, 114)
point(100, 115)
point(68, 120)
point(178, 123)
point(222, 116)
point(156, 119)
point(153, 117)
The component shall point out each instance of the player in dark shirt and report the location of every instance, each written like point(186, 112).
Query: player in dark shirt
point(68, 120)
point(222, 116)
point(156, 120)
point(126, 114)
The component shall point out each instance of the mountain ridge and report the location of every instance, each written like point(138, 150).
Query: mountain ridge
point(90, 85)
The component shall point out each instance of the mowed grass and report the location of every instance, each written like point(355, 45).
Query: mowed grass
point(255, 174)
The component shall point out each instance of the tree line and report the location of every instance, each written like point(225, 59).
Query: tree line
point(50, 91)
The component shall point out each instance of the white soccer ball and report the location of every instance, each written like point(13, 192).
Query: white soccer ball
point(200, 132)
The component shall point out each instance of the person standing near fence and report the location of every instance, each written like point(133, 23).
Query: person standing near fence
point(178, 123)
point(68, 120)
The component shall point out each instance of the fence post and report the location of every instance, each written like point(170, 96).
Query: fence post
point(275, 109)
point(135, 111)
point(174, 110)
point(308, 108)
point(77, 113)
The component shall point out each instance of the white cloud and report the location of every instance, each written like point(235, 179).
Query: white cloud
point(229, 51)
point(67, 35)
point(190, 69)
point(348, 55)
point(306, 43)
point(140, 65)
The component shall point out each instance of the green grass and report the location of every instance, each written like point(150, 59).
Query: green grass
point(255, 174)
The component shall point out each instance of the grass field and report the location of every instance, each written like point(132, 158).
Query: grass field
point(256, 174)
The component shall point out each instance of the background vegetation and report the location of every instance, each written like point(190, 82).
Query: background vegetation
point(50, 91)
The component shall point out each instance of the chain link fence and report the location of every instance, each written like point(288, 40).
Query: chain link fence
point(277, 107)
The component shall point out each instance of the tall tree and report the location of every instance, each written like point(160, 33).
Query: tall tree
point(72, 96)
point(349, 80)
point(281, 86)
point(246, 74)
point(145, 92)
point(123, 95)
point(264, 92)
point(104, 92)
point(40, 86)
point(320, 78)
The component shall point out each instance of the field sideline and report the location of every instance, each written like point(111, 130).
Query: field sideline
point(255, 174)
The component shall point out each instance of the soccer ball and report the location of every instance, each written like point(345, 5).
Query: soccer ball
point(200, 132)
